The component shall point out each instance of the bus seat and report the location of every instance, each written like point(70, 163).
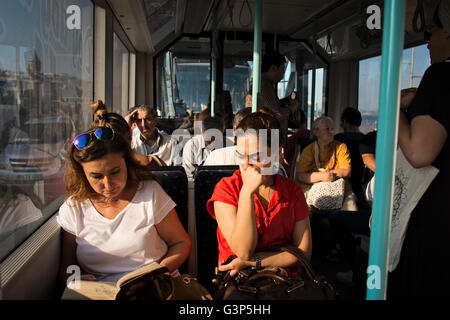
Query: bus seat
point(299, 146)
point(174, 182)
point(205, 180)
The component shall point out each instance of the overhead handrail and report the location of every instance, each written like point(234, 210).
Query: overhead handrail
point(419, 12)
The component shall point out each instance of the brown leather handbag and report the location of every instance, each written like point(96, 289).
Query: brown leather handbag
point(274, 283)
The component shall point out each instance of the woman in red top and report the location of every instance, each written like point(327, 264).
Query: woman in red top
point(256, 208)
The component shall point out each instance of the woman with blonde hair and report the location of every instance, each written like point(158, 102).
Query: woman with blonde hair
point(326, 160)
point(116, 217)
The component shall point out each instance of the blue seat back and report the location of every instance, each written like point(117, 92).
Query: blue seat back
point(205, 180)
point(174, 181)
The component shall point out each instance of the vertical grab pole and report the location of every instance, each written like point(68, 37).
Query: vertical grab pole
point(392, 47)
point(257, 38)
point(213, 84)
point(313, 80)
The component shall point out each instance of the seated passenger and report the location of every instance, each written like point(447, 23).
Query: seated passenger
point(150, 140)
point(326, 160)
point(198, 148)
point(226, 155)
point(300, 133)
point(350, 122)
point(367, 150)
point(103, 118)
point(116, 217)
point(256, 209)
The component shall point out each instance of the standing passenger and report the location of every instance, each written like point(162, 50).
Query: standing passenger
point(422, 272)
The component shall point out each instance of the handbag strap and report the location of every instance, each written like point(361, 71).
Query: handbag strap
point(331, 162)
point(300, 257)
point(296, 252)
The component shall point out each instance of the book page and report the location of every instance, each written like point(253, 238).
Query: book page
point(90, 290)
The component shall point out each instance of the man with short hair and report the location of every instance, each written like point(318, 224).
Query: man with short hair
point(226, 155)
point(150, 140)
point(198, 148)
point(350, 122)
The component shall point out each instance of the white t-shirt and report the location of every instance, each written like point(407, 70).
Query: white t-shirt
point(125, 243)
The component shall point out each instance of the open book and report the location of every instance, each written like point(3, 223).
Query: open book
point(150, 282)
point(96, 290)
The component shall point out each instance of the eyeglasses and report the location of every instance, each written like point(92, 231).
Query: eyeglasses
point(104, 133)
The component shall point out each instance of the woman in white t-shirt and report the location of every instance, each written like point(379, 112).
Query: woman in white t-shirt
point(116, 217)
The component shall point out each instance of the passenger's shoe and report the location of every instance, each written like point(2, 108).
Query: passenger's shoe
point(345, 277)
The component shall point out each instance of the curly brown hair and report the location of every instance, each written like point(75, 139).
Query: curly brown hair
point(77, 184)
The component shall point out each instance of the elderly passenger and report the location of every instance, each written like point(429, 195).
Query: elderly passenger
point(326, 160)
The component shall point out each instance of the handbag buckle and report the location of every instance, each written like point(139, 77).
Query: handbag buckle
point(247, 289)
point(295, 286)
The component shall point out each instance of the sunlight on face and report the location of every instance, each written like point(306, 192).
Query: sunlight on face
point(325, 133)
point(249, 153)
point(107, 175)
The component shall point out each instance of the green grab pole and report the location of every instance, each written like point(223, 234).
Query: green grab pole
point(313, 80)
point(213, 84)
point(257, 38)
point(392, 47)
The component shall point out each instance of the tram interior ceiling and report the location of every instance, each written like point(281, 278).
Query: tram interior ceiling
point(334, 30)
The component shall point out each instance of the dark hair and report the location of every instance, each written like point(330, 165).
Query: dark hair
point(260, 121)
point(272, 59)
point(352, 116)
point(302, 116)
point(213, 123)
point(241, 114)
point(268, 111)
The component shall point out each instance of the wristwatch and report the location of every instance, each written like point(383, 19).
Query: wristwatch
point(257, 262)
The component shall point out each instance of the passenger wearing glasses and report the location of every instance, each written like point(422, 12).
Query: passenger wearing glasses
point(256, 208)
point(116, 217)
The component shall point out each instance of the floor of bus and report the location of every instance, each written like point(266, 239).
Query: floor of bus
point(323, 243)
point(345, 290)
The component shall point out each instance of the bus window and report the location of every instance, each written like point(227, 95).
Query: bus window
point(46, 88)
point(319, 89)
point(183, 78)
point(237, 73)
point(121, 66)
point(415, 61)
point(298, 77)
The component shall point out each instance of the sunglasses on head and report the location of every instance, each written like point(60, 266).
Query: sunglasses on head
point(104, 133)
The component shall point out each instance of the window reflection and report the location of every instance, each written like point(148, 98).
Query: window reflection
point(46, 87)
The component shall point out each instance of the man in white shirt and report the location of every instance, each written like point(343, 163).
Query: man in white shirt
point(226, 155)
point(150, 140)
point(200, 146)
